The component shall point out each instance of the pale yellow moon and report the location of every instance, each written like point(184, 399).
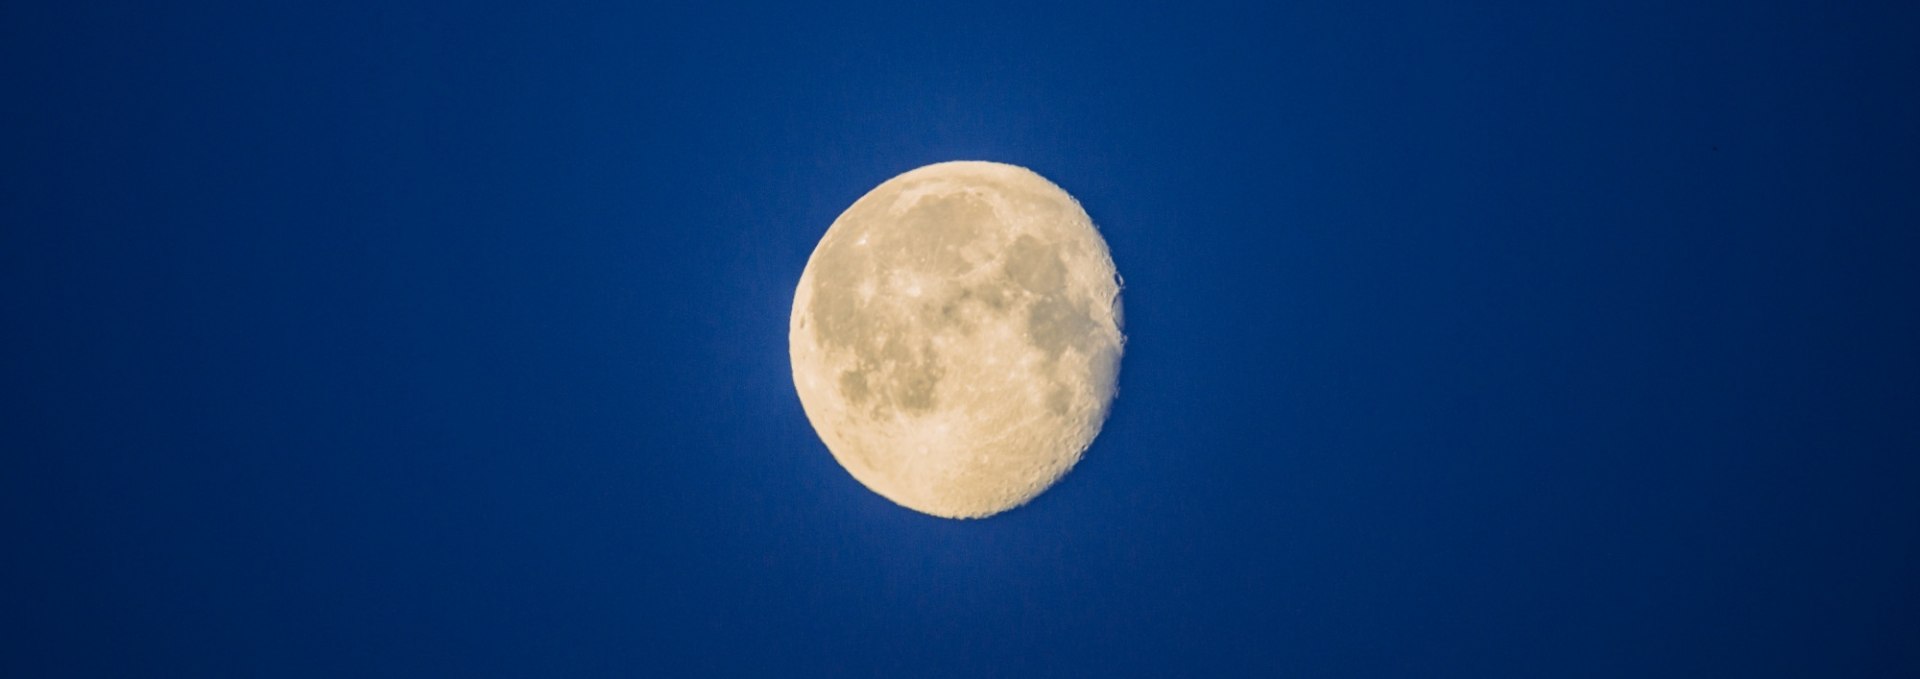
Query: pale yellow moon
point(956, 337)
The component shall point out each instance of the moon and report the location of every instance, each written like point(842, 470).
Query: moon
point(956, 337)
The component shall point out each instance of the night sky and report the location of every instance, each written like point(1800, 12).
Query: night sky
point(1521, 339)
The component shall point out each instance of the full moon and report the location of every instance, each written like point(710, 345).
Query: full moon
point(956, 337)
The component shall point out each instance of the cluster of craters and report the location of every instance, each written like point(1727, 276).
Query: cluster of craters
point(891, 290)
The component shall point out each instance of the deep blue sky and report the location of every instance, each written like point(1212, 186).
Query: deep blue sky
point(1552, 339)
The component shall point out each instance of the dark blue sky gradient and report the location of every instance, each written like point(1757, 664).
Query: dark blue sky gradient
point(1561, 339)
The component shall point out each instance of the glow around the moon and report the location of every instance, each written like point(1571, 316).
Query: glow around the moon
point(956, 336)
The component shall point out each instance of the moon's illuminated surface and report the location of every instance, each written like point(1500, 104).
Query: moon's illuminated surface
point(956, 336)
